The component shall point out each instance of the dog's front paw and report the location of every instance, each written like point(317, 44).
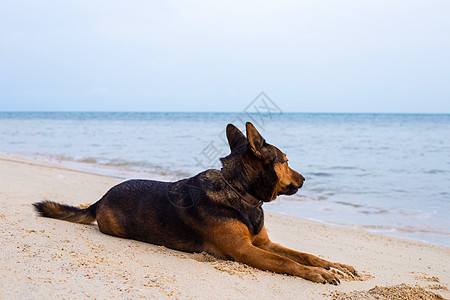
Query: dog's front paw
point(345, 268)
point(321, 276)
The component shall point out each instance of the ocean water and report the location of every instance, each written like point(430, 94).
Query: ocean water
point(386, 173)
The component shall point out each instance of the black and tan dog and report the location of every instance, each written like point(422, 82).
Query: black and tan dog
point(215, 211)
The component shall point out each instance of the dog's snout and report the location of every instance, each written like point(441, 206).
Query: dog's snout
point(293, 186)
point(303, 178)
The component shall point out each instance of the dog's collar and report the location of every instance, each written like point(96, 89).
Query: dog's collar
point(249, 199)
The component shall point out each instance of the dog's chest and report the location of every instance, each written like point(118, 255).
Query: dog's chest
point(254, 220)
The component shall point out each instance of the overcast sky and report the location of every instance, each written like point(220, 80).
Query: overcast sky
point(308, 56)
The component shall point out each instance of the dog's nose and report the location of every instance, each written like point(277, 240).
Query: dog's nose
point(303, 178)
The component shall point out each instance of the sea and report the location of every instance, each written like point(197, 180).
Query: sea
point(385, 173)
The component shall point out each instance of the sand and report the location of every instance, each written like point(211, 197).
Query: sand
point(53, 259)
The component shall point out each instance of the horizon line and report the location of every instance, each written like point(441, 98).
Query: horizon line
point(225, 112)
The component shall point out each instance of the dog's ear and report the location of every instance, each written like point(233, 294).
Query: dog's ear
point(236, 139)
point(255, 140)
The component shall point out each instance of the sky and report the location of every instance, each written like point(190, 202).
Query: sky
point(381, 56)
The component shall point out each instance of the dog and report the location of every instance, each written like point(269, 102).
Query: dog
point(219, 212)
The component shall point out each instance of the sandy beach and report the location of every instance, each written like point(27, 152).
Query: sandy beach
point(47, 258)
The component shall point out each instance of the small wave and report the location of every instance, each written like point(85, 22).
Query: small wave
point(373, 212)
point(145, 166)
point(88, 160)
point(117, 167)
point(363, 209)
point(348, 204)
point(436, 172)
point(399, 191)
point(122, 163)
point(58, 158)
point(408, 229)
point(321, 174)
point(368, 175)
point(343, 168)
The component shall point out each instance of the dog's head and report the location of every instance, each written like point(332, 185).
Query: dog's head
point(264, 166)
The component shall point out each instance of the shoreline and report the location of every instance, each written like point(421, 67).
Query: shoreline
point(126, 172)
point(54, 259)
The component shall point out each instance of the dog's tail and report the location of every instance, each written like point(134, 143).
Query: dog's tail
point(56, 210)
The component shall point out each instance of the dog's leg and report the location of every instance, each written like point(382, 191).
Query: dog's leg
point(306, 259)
point(262, 241)
point(233, 239)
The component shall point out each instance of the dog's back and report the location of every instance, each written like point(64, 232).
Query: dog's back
point(145, 210)
point(151, 211)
